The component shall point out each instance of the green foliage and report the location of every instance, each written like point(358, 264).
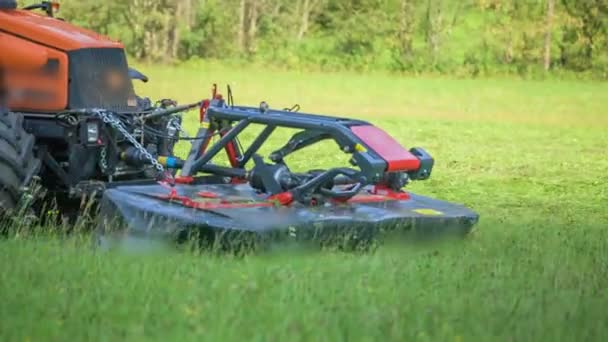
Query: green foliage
point(586, 38)
point(529, 156)
point(211, 34)
point(468, 37)
point(465, 38)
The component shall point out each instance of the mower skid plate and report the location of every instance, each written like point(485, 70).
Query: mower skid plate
point(147, 211)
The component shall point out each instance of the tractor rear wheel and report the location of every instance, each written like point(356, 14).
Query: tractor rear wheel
point(18, 164)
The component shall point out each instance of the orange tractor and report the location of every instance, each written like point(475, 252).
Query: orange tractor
point(53, 76)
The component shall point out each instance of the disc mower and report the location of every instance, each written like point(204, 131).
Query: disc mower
point(71, 118)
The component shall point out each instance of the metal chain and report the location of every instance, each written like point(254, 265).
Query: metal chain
point(104, 161)
point(114, 122)
point(179, 128)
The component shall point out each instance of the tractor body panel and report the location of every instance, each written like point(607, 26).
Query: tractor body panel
point(51, 32)
point(74, 68)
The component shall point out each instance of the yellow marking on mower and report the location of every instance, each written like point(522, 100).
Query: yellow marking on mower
point(206, 200)
point(429, 212)
point(360, 148)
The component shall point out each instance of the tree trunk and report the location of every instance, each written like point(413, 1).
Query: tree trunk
point(174, 36)
point(253, 25)
point(406, 27)
point(304, 18)
point(435, 27)
point(547, 55)
point(189, 13)
point(509, 50)
point(242, 29)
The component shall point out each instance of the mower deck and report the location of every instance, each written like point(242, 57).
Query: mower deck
point(256, 200)
point(155, 211)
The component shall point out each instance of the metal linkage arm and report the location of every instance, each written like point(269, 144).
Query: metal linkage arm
point(314, 128)
point(378, 156)
point(199, 162)
point(297, 142)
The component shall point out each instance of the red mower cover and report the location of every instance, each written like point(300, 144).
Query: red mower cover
point(397, 157)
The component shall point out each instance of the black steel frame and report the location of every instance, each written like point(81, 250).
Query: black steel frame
point(233, 120)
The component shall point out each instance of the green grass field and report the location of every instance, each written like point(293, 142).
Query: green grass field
point(530, 157)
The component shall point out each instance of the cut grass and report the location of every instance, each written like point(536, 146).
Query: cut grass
point(528, 156)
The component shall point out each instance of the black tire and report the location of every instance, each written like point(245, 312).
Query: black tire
point(18, 163)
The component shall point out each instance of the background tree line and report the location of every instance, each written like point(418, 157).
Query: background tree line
point(468, 37)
